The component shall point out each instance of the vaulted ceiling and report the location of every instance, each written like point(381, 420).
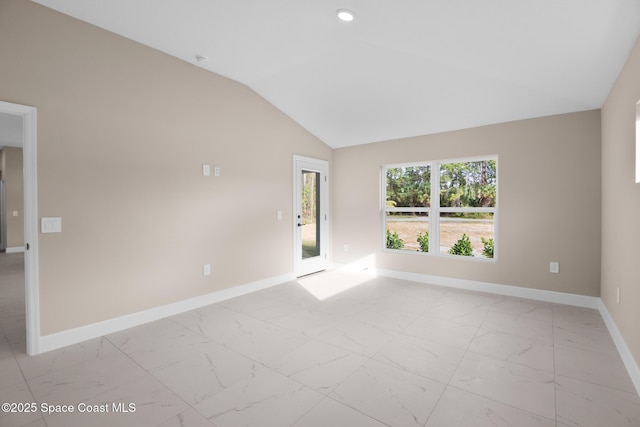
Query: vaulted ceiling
point(400, 68)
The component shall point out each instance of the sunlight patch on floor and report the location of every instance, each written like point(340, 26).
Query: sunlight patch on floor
point(330, 283)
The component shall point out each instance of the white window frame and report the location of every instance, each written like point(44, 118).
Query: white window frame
point(435, 210)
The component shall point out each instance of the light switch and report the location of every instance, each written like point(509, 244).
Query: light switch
point(206, 170)
point(15, 213)
point(51, 225)
point(279, 215)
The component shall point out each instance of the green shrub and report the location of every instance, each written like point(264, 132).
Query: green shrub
point(423, 241)
point(487, 250)
point(394, 241)
point(462, 247)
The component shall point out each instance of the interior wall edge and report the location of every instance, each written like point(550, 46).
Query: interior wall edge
point(623, 349)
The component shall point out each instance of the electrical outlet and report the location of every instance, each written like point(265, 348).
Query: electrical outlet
point(345, 247)
point(216, 171)
point(207, 270)
point(554, 267)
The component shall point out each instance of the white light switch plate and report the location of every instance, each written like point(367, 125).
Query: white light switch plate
point(51, 225)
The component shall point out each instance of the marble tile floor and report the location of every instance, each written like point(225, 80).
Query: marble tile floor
point(383, 352)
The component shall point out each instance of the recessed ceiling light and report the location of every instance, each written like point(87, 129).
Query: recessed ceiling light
point(345, 15)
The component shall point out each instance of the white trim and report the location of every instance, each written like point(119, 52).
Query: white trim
point(451, 160)
point(95, 330)
point(508, 290)
point(312, 265)
point(31, 258)
point(621, 345)
point(15, 250)
point(638, 142)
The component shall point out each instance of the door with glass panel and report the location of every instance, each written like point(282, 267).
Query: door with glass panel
point(310, 215)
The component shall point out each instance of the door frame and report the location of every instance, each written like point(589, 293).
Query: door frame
point(3, 216)
point(31, 259)
point(301, 267)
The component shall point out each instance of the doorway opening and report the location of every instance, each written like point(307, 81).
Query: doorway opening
point(25, 117)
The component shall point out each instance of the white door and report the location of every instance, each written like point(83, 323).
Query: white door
point(311, 219)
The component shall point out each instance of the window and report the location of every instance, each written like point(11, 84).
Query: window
point(446, 207)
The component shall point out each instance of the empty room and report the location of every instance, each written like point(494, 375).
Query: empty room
point(319, 213)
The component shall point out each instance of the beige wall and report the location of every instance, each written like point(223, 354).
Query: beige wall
point(14, 195)
point(123, 131)
point(621, 203)
point(549, 202)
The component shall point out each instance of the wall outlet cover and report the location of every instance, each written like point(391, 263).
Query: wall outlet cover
point(51, 225)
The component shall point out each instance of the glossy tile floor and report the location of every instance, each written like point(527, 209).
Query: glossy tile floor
point(383, 352)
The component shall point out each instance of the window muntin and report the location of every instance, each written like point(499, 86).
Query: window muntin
point(451, 212)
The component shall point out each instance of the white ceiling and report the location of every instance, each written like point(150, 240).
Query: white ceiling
point(10, 130)
point(401, 68)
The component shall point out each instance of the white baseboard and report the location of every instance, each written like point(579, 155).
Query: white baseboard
point(95, 330)
point(508, 290)
point(621, 345)
point(15, 250)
